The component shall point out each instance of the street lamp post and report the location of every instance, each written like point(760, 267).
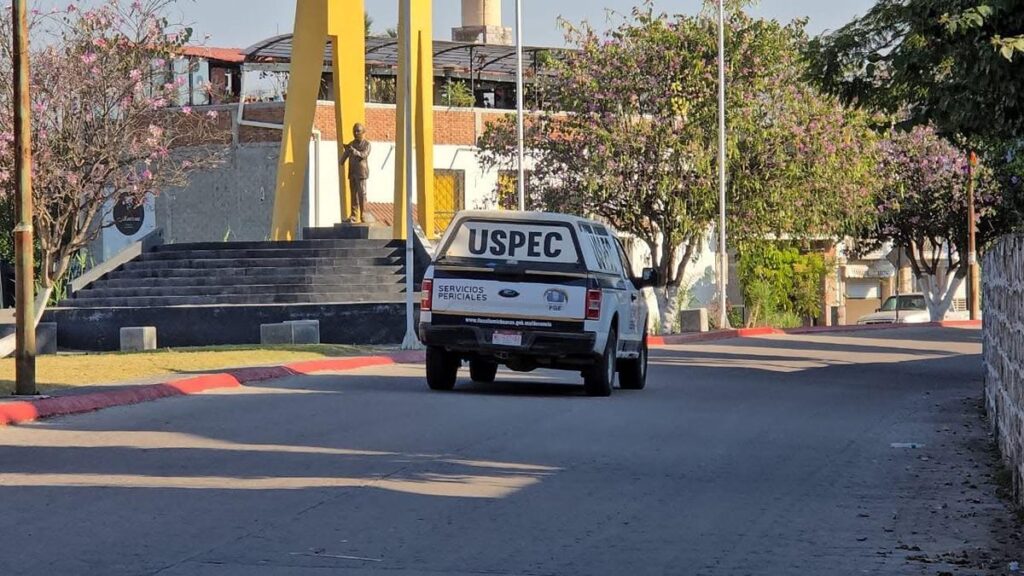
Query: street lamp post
point(411, 341)
point(25, 363)
point(723, 256)
point(521, 176)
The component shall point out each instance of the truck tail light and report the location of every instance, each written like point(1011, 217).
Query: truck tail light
point(593, 304)
point(427, 290)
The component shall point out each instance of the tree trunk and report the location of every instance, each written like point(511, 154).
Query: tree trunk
point(755, 312)
point(939, 296)
point(46, 268)
point(668, 308)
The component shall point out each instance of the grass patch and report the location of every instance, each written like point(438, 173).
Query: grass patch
point(70, 370)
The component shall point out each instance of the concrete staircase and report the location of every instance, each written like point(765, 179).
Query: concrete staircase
point(253, 273)
point(350, 278)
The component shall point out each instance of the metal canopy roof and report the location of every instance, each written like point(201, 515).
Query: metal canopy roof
point(480, 60)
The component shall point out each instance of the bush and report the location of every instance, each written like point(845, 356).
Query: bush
point(781, 285)
point(381, 90)
point(457, 95)
point(735, 316)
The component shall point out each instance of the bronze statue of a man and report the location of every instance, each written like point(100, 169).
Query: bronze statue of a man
point(357, 154)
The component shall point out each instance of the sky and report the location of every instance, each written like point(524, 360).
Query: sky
point(241, 23)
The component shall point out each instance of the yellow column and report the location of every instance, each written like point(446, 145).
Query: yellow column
point(315, 20)
point(423, 118)
point(399, 231)
point(347, 33)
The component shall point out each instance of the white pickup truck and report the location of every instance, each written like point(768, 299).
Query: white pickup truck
point(534, 290)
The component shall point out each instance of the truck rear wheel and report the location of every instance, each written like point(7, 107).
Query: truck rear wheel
point(633, 372)
point(442, 368)
point(600, 378)
point(483, 371)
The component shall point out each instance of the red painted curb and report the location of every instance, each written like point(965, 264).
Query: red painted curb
point(850, 328)
point(755, 332)
point(868, 327)
point(30, 410)
point(342, 364)
point(961, 323)
point(706, 336)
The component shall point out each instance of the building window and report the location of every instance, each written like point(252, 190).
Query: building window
point(449, 196)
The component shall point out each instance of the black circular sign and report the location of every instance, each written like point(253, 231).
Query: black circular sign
point(129, 217)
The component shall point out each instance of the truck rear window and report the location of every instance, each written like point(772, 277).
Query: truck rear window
point(512, 242)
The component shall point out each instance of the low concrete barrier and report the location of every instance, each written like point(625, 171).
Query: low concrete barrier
point(290, 332)
point(694, 320)
point(46, 338)
point(138, 338)
point(305, 331)
point(1004, 351)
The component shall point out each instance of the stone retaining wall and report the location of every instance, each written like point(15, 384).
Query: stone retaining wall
point(1004, 350)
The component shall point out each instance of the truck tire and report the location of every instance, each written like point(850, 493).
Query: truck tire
point(633, 372)
point(442, 368)
point(600, 378)
point(483, 371)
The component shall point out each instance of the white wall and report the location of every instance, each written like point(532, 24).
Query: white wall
point(698, 278)
point(862, 288)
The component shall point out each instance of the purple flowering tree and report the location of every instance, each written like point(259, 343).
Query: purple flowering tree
point(105, 130)
point(629, 134)
point(923, 210)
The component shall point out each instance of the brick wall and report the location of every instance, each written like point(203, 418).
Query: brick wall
point(269, 113)
point(452, 126)
point(1004, 351)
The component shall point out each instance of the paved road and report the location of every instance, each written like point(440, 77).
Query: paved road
point(762, 456)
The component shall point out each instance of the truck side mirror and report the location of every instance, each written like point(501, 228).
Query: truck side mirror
point(649, 278)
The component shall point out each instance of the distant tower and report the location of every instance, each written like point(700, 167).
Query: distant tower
point(481, 22)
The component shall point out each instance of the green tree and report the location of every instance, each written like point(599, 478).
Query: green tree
point(948, 63)
point(106, 129)
point(457, 94)
point(922, 210)
point(630, 136)
point(781, 284)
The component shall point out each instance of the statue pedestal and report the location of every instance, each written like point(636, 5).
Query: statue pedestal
point(347, 231)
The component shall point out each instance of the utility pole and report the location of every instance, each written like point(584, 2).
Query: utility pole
point(899, 280)
point(973, 280)
point(25, 355)
point(723, 256)
point(521, 179)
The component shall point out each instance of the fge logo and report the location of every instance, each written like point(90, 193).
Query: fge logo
point(557, 299)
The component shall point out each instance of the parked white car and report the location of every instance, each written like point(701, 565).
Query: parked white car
point(534, 290)
point(902, 309)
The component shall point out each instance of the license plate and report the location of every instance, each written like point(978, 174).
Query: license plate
point(501, 338)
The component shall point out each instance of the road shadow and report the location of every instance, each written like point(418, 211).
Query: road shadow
point(545, 384)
